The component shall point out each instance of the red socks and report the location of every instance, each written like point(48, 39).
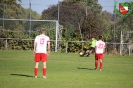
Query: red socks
point(101, 64)
point(35, 71)
point(96, 64)
point(44, 71)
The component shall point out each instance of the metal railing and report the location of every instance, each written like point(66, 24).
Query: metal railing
point(111, 48)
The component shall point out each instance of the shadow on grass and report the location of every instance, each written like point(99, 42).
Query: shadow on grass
point(21, 75)
point(84, 68)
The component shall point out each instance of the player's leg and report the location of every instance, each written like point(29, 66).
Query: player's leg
point(44, 69)
point(93, 50)
point(90, 51)
point(85, 52)
point(101, 64)
point(44, 60)
point(96, 61)
point(101, 61)
point(36, 69)
point(96, 64)
point(37, 60)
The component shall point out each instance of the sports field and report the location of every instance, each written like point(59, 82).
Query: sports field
point(64, 70)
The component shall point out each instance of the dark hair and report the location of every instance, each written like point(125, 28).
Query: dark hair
point(92, 37)
point(42, 30)
point(100, 37)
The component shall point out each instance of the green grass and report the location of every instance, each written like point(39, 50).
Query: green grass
point(64, 71)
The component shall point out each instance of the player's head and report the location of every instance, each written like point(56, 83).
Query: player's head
point(42, 30)
point(100, 37)
point(92, 38)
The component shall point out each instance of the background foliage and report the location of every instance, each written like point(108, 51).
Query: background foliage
point(77, 24)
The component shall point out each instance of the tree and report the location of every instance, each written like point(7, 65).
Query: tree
point(10, 9)
point(73, 14)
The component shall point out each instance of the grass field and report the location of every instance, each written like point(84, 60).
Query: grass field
point(64, 70)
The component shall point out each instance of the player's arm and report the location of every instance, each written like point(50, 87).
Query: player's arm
point(48, 48)
point(104, 48)
point(34, 47)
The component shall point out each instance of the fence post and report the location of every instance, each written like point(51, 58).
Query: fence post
point(121, 43)
point(56, 36)
point(6, 44)
point(129, 50)
point(66, 46)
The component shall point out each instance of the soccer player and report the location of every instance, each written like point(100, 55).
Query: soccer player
point(91, 48)
point(99, 52)
point(41, 51)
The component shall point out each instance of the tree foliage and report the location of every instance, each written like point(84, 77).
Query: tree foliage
point(81, 19)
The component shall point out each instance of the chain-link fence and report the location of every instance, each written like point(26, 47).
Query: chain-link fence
point(20, 22)
point(21, 37)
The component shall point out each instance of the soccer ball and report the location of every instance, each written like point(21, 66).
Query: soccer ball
point(81, 54)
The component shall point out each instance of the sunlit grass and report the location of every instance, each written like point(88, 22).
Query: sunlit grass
point(64, 70)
